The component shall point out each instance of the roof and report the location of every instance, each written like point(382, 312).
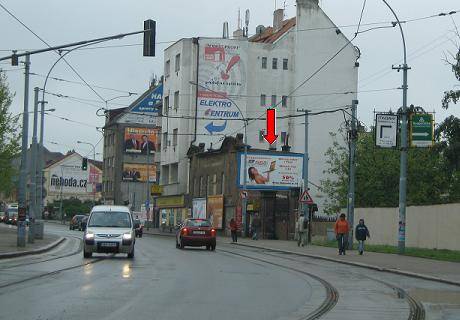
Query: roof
point(97, 164)
point(269, 35)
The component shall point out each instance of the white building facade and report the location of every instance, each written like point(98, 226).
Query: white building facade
point(211, 83)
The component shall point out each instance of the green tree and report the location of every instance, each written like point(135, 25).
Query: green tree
point(453, 95)
point(9, 138)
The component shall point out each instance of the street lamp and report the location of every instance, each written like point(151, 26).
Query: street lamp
point(94, 161)
point(404, 145)
point(245, 121)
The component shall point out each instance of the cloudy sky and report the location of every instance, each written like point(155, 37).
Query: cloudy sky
point(125, 69)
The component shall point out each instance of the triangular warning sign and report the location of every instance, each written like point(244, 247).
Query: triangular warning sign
point(306, 198)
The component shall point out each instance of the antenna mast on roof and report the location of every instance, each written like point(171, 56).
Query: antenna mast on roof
point(239, 19)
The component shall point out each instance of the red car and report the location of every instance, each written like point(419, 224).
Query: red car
point(196, 233)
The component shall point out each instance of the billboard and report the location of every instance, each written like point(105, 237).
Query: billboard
point(270, 171)
point(215, 211)
point(222, 83)
point(139, 140)
point(199, 208)
point(147, 110)
point(386, 130)
point(138, 172)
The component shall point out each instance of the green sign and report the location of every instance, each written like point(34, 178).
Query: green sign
point(421, 133)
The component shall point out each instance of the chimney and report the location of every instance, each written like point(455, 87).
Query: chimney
point(201, 147)
point(225, 31)
point(278, 17)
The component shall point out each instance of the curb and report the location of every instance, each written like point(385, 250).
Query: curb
point(160, 234)
point(30, 252)
point(358, 264)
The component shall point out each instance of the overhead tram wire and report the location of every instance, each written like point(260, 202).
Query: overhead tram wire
point(56, 51)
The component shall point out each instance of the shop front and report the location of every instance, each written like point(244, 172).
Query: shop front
point(172, 211)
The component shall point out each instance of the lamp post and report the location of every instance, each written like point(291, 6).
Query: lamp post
point(244, 200)
point(404, 144)
point(94, 161)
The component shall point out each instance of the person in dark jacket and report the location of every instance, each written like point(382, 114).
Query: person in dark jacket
point(362, 233)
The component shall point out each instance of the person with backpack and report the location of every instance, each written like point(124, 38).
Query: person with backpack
point(361, 234)
point(341, 233)
point(302, 225)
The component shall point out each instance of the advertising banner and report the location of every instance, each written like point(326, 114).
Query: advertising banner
point(139, 140)
point(215, 211)
point(146, 111)
point(222, 83)
point(386, 130)
point(138, 172)
point(199, 208)
point(270, 171)
point(421, 130)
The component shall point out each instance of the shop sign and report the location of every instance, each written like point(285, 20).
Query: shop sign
point(170, 202)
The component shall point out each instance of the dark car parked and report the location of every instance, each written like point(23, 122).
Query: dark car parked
point(75, 222)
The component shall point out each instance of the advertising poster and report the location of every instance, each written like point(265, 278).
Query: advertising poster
point(138, 172)
point(139, 140)
point(270, 171)
point(222, 80)
point(215, 211)
point(199, 208)
point(147, 110)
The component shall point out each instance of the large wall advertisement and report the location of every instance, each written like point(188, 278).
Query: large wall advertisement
point(270, 171)
point(138, 172)
point(139, 140)
point(199, 208)
point(146, 111)
point(222, 70)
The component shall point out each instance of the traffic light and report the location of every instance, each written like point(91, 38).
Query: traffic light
point(84, 164)
point(149, 38)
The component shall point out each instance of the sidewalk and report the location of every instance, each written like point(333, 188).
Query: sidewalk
point(9, 248)
point(447, 272)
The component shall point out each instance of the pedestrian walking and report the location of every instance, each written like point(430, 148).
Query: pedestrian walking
point(302, 224)
point(233, 230)
point(361, 233)
point(255, 227)
point(341, 233)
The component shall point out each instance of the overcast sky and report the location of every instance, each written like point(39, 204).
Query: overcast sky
point(124, 68)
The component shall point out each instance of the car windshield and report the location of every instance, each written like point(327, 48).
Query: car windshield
point(198, 223)
point(12, 210)
point(110, 219)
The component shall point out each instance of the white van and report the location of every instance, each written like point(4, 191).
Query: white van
point(110, 229)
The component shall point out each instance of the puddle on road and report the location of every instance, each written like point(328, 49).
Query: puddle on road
point(436, 296)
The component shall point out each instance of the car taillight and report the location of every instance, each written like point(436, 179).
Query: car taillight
point(213, 232)
point(184, 231)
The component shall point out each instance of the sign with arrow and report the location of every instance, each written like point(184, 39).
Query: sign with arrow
point(271, 137)
point(214, 128)
point(421, 133)
point(306, 198)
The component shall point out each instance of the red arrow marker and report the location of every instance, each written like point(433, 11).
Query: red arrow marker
point(271, 126)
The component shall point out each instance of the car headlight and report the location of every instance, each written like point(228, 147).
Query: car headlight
point(127, 236)
point(89, 236)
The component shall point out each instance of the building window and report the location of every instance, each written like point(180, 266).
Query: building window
point(202, 187)
point(284, 137)
point(263, 100)
point(167, 68)
point(176, 100)
point(275, 63)
point(177, 65)
point(273, 101)
point(174, 172)
point(214, 184)
point(285, 64)
point(208, 185)
point(165, 140)
point(166, 106)
point(222, 184)
point(284, 101)
point(261, 135)
point(175, 132)
point(264, 62)
point(165, 174)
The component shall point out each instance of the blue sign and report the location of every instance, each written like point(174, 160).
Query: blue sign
point(151, 103)
point(147, 203)
point(213, 128)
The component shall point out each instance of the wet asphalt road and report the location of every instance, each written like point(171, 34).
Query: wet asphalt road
point(163, 282)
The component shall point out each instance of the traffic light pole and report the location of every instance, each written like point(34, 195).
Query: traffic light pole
point(353, 136)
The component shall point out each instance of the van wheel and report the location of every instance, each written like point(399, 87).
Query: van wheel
point(87, 254)
point(213, 247)
point(131, 254)
point(208, 247)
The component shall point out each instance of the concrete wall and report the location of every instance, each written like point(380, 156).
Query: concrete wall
point(434, 227)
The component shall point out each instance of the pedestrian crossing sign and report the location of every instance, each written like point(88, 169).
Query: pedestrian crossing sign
point(306, 198)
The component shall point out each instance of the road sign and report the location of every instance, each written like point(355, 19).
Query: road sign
point(306, 198)
point(156, 190)
point(421, 133)
point(386, 130)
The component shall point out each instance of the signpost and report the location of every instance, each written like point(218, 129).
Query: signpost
point(306, 198)
point(421, 130)
point(386, 130)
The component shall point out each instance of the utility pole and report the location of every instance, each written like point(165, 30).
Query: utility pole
point(352, 137)
point(21, 229)
point(33, 172)
point(305, 207)
point(147, 201)
point(404, 144)
point(41, 161)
